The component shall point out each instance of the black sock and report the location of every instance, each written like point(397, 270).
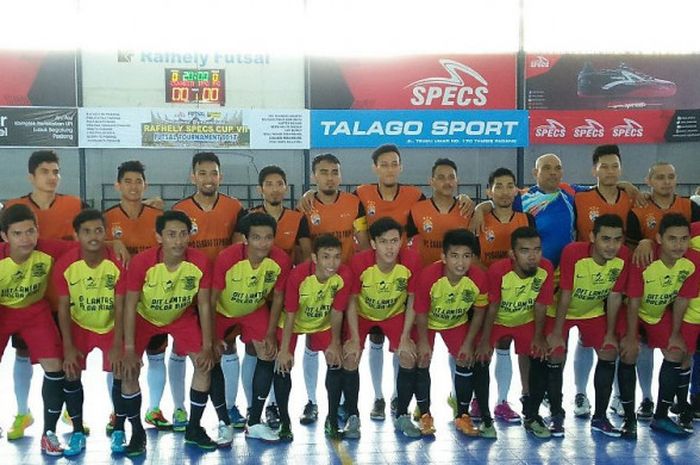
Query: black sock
point(481, 390)
point(464, 388)
point(283, 386)
point(682, 390)
point(555, 381)
point(668, 384)
point(627, 380)
point(198, 401)
point(405, 388)
point(262, 380)
point(334, 379)
point(52, 395)
point(132, 406)
point(118, 403)
point(351, 390)
point(538, 387)
point(217, 393)
point(423, 390)
point(603, 381)
point(73, 390)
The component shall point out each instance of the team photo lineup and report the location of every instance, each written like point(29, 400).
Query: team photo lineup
point(232, 288)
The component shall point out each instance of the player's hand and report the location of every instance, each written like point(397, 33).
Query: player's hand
point(644, 253)
point(121, 252)
point(351, 350)
point(155, 202)
point(72, 358)
point(466, 205)
point(425, 353)
point(131, 364)
point(466, 354)
point(476, 223)
point(555, 341)
point(219, 346)
point(629, 347)
point(270, 345)
point(610, 342)
point(539, 347)
point(116, 356)
point(306, 202)
point(285, 361)
point(205, 359)
point(334, 354)
point(483, 351)
point(640, 199)
point(676, 342)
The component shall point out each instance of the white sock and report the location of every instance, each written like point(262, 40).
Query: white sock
point(109, 381)
point(616, 387)
point(395, 363)
point(310, 365)
point(22, 375)
point(645, 370)
point(247, 371)
point(453, 367)
point(155, 377)
point(176, 377)
point(504, 373)
point(271, 398)
point(583, 363)
point(231, 367)
point(376, 367)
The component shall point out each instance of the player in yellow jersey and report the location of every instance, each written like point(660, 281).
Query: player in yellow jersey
point(90, 283)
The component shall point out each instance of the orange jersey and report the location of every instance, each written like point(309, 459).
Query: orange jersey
point(591, 204)
point(291, 226)
point(339, 219)
point(137, 234)
point(397, 208)
point(643, 222)
point(212, 231)
point(494, 242)
point(56, 222)
point(430, 225)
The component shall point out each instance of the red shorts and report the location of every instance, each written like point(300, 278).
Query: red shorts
point(317, 342)
point(521, 334)
point(85, 340)
point(690, 333)
point(655, 336)
point(185, 331)
point(252, 327)
point(591, 330)
point(36, 326)
point(392, 329)
point(453, 337)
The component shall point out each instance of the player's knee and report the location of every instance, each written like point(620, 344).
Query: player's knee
point(51, 364)
point(407, 361)
point(607, 355)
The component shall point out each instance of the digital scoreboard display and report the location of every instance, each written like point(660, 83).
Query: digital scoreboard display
point(194, 86)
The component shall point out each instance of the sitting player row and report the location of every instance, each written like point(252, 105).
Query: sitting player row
point(171, 289)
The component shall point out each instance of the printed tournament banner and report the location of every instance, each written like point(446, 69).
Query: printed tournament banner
point(190, 128)
point(428, 128)
point(612, 82)
point(37, 78)
point(599, 126)
point(448, 82)
point(38, 127)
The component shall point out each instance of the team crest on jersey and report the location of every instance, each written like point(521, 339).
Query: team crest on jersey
point(189, 283)
point(682, 275)
point(597, 278)
point(18, 276)
point(383, 286)
point(490, 235)
point(315, 218)
point(371, 208)
point(451, 298)
point(252, 281)
point(666, 280)
point(651, 221)
point(467, 295)
point(194, 229)
point(537, 284)
point(613, 274)
point(90, 283)
point(270, 277)
point(168, 285)
point(427, 224)
point(520, 290)
point(117, 232)
point(593, 213)
point(39, 270)
point(110, 281)
point(401, 284)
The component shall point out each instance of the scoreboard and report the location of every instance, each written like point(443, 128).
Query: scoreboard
point(194, 86)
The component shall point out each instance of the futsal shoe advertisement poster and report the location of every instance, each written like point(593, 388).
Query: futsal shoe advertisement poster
point(33, 78)
point(411, 128)
point(38, 127)
point(444, 82)
point(612, 82)
point(193, 128)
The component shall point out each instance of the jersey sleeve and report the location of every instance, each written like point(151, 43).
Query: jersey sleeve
point(481, 280)
point(621, 283)
point(203, 264)
point(224, 261)
point(358, 264)
point(635, 282)
point(291, 294)
point(342, 297)
point(421, 302)
point(546, 295)
point(580, 187)
point(495, 278)
point(566, 267)
point(58, 278)
point(634, 229)
point(120, 288)
point(137, 273)
point(285, 264)
point(691, 285)
point(413, 262)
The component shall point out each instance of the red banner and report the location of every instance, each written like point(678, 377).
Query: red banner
point(447, 82)
point(599, 126)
